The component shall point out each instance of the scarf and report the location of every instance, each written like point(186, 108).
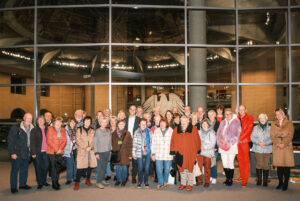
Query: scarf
point(148, 149)
point(263, 126)
point(58, 132)
point(163, 132)
point(120, 132)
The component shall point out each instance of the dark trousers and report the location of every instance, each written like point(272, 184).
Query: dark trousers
point(54, 168)
point(41, 164)
point(134, 170)
point(102, 165)
point(283, 172)
point(83, 172)
point(16, 166)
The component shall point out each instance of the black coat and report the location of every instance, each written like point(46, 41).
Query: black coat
point(136, 124)
point(36, 139)
point(17, 142)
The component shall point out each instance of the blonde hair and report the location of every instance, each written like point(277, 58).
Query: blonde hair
point(194, 114)
point(263, 115)
point(183, 117)
point(121, 111)
point(113, 118)
point(212, 112)
point(157, 116)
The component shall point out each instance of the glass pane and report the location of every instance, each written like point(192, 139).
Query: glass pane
point(211, 27)
point(4, 130)
point(15, 102)
point(295, 64)
point(295, 2)
point(296, 138)
point(73, 25)
point(149, 97)
point(264, 64)
point(16, 27)
point(211, 65)
point(73, 64)
point(71, 2)
point(210, 96)
point(150, 2)
point(263, 27)
point(295, 102)
point(295, 24)
point(16, 63)
point(264, 99)
point(214, 3)
point(65, 100)
point(147, 25)
point(260, 3)
point(148, 64)
point(16, 3)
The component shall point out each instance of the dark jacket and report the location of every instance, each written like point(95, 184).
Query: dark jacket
point(36, 139)
point(125, 149)
point(17, 142)
point(136, 124)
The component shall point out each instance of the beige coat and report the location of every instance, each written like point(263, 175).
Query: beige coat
point(282, 134)
point(83, 141)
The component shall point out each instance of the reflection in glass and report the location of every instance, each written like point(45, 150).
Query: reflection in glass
point(147, 64)
point(65, 100)
point(71, 2)
point(73, 64)
point(14, 105)
point(211, 96)
point(295, 24)
point(147, 25)
point(263, 64)
point(260, 3)
point(262, 27)
point(16, 27)
point(73, 25)
point(16, 3)
point(295, 102)
point(264, 99)
point(166, 97)
point(16, 63)
point(211, 27)
point(152, 2)
point(214, 3)
point(212, 65)
point(295, 64)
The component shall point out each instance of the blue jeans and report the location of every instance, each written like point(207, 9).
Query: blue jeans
point(16, 166)
point(163, 170)
point(41, 164)
point(143, 168)
point(108, 172)
point(214, 170)
point(121, 173)
point(71, 171)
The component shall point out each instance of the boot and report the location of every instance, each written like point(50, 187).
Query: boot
point(265, 177)
point(76, 186)
point(226, 175)
point(54, 185)
point(88, 182)
point(259, 176)
point(230, 176)
point(280, 177)
point(286, 178)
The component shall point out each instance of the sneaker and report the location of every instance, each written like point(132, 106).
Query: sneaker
point(105, 182)
point(139, 186)
point(213, 181)
point(147, 186)
point(100, 186)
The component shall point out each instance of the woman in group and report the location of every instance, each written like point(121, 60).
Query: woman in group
point(220, 112)
point(185, 144)
point(121, 115)
point(176, 119)
point(282, 132)
point(141, 151)
point(262, 147)
point(214, 124)
point(194, 120)
point(147, 116)
point(86, 159)
point(102, 146)
point(208, 142)
point(152, 169)
point(169, 117)
point(227, 139)
point(122, 142)
point(56, 141)
point(68, 155)
point(38, 148)
point(161, 152)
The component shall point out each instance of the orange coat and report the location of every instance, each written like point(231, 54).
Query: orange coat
point(53, 143)
point(188, 144)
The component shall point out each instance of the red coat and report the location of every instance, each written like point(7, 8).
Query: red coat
point(247, 126)
point(53, 143)
point(188, 144)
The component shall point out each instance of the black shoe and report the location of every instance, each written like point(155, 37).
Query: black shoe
point(147, 186)
point(284, 187)
point(26, 187)
point(259, 177)
point(55, 187)
point(68, 182)
point(139, 186)
point(279, 186)
point(115, 178)
point(117, 183)
point(40, 187)
point(46, 184)
point(14, 190)
point(107, 178)
point(123, 184)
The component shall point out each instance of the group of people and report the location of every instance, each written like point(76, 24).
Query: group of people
point(153, 146)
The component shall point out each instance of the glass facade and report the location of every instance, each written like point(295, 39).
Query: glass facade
point(62, 55)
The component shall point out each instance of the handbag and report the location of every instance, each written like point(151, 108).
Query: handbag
point(60, 163)
point(213, 161)
point(196, 170)
point(116, 155)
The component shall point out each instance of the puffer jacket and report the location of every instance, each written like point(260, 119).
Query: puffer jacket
point(261, 135)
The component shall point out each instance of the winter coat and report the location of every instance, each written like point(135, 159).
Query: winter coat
point(232, 132)
point(84, 140)
point(36, 140)
point(261, 135)
point(208, 142)
point(102, 141)
point(282, 134)
point(125, 148)
point(53, 142)
point(160, 146)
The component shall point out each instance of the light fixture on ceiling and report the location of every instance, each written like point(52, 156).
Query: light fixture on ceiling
point(137, 39)
point(268, 19)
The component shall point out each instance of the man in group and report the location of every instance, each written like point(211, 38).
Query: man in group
point(243, 146)
point(79, 115)
point(48, 119)
point(139, 112)
point(187, 111)
point(200, 115)
point(18, 146)
point(132, 124)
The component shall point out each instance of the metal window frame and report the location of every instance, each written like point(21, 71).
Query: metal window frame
point(186, 82)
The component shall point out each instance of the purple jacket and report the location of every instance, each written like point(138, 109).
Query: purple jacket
point(232, 132)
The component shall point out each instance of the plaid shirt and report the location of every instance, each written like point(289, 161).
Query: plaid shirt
point(161, 144)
